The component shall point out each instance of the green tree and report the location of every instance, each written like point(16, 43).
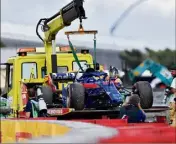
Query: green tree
point(2, 44)
point(165, 57)
point(133, 58)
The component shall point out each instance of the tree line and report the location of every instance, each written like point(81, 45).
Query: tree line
point(2, 44)
point(134, 57)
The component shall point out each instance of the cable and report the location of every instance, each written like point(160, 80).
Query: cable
point(37, 27)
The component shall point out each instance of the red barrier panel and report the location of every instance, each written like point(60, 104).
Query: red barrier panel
point(112, 123)
point(23, 135)
point(168, 130)
point(143, 135)
point(130, 127)
point(169, 138)
point(148, 124)
point(109, 121)
point(86, 121)
point(106, 122)
point(122, 122)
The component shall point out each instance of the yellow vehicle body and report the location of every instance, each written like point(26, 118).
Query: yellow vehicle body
point(22, 66)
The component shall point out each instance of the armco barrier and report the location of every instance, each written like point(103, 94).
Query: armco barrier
point(21, 130)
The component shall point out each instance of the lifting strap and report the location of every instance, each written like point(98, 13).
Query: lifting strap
point(95, 50)
point(34, 110)
point(74, 54)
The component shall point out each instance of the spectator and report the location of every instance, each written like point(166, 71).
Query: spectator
point(31, 110)
point(172, 103)
point(173, 113)
point(133, 110)
point(173, 86)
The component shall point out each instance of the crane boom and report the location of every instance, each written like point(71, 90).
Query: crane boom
point(51, 26)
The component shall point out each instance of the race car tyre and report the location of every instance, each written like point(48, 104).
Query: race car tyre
point(145, 93)
point(47, 94)
point(76, 96)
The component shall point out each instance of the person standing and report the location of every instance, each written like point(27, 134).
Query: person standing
point(172, 104)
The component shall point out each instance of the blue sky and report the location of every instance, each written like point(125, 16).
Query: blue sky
point(151, 24)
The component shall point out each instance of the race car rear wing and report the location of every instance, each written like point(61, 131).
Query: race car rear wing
point(63, 77)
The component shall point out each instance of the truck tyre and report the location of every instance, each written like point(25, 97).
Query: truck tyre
point(145, 92)
point(5, 110)
point(76, 96)
point(47, 94)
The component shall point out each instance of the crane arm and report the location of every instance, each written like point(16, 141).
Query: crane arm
point(156, 69)
point(51, 26)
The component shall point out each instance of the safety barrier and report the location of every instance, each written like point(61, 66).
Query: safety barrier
point(141, 133)
point(76, 131)
point(105, 122)
point(22, 130)
point(142, 136)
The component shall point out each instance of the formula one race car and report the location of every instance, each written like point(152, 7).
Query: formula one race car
point(93, 91)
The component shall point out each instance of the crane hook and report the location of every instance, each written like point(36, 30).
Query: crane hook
point(81, 26)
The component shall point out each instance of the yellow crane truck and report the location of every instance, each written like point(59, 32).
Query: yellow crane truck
point(35, 68)
point(31, 66)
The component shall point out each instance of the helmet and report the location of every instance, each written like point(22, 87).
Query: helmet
point(114, 71)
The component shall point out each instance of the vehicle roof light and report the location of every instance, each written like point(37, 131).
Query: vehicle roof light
point(66, 49)
point(42, 49)
point(20, 50)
